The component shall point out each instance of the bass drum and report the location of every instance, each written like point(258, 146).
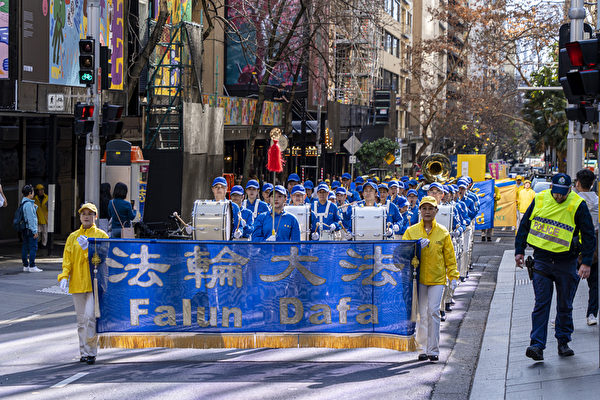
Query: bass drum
point(368, 223)
point(212, 220)
point(444, 216)
point(302, 214)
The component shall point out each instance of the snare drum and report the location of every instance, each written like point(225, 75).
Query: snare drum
point(302, 214)
point(212, 220)
point(368, 223)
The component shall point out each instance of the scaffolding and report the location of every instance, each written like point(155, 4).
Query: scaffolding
point(356, 45)
point(172, 79)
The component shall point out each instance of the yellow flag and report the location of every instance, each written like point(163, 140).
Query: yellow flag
point(390, 158)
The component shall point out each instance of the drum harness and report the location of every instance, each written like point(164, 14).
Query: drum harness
point(255, 212)
point(320, 216)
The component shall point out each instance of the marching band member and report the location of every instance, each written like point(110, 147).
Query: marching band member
point(413, 205)
point(293, 180)
point(421, 191)
point(326, 212)
point(472, 195)
point(352, 195)
point(359, 190)
point(267, 188)
point(236, 195)
point(393, 187)
point(438, 262)
point(370, 200)
point(253, 203)
point(436, 190)
point(463, 197)
point(297, 196)
point(284, 224)
point(335, 185)
point(391, 209)
point(219, 189)
point(308, 187)
point(403, 206)
point(331, 196)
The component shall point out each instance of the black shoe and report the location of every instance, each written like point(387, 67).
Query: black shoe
point(483, 239)
point(433, 358)
point(448, 309)
point(564, 350)
point(422, 357)
point(91, 360)
point(442, 316)
point(535, 353)
point(489, 239)
point(83, 359)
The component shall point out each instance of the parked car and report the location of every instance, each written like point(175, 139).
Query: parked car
point(541, 185)
point(521, 169)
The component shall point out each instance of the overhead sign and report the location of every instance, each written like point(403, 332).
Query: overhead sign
point(352, 144)
point(56, 102)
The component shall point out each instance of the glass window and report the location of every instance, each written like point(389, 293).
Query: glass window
point(398, 11)
point(395, 6)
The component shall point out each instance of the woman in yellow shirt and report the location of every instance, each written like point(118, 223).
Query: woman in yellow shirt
point(75, 278)
point(524, 198)
point(438, 263)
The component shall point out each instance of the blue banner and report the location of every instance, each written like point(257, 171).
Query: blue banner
point(485, 191)
point(238, 287)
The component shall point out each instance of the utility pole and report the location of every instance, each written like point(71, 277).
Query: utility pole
point(92, 148)
point(574, 139)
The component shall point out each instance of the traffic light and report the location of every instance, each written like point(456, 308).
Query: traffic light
point(582, 73)
point(87, 64)
point(582, 112)
point(111, 120)
point(105, 67)
point(84, 123)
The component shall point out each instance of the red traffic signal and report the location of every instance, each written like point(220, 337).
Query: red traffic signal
point(583, 53)
point(83, 111)
point(83, 123)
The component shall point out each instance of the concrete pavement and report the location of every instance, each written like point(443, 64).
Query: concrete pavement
point(503, 371)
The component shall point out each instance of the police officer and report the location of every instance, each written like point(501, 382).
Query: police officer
point(244, 230)
point(282, 227)
point(552, 225)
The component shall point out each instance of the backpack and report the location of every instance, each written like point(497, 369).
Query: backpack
point(19, 223)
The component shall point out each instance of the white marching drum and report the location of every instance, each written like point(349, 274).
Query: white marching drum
point(302, 214)
point(368, 223)
point(212, 220)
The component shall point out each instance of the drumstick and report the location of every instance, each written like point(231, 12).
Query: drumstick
point(179, 218)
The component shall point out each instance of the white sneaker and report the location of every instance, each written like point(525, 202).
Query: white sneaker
point(25, 269)
point(35, 269)
point(591, 320)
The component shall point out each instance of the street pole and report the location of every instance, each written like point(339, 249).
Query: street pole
point(92, 148)
point(574, 139)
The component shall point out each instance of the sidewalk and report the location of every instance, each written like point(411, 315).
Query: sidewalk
point(503, 371)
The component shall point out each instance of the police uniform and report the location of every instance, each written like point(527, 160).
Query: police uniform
point(553, 230)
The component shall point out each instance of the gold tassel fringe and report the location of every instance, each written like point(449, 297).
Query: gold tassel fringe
point(414, 311)
point(253, 341)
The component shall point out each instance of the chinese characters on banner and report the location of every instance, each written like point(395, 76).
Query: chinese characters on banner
point(237, 287)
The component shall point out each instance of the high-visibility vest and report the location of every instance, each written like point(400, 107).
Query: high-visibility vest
point(553, 224)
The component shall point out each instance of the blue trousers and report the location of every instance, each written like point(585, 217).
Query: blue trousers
point(29, 248)
point(565, 279)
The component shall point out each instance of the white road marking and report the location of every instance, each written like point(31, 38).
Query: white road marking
point(70, 379)
point(498, 240)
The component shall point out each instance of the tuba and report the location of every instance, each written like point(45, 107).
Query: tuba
point(436, 168)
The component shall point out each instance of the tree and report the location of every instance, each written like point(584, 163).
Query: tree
point(372, 154)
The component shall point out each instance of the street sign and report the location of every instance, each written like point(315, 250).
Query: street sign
point(352, 160)
point(352, 144)
point(56, 102)
point(389, 158)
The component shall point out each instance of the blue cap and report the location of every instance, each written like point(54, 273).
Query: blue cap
point(219, 180)
point(360, 179)
point(421, 178)
point(371, 184)
point(405, 179)
point(280, 189)
point(462, 180)
point(340, 190)
point(331, 194)
point(267, 186)
point(561, 184)
point(393, 183)
point(370, 180)
point(402, 201)
point(469, 179)
point(346, 176)
point(382, 186)
point(323, 186)
point(293, 177)
point(436, 185)
point(335, 184)
point(463, 184)
point(445, 187)
point(451, 189)
point(454, 187)
point(412, 192)
point(359, 188)
point(413, 182)
point(237, 189)
point(308, 185)
point(252, 184)
point(298, 189)
point(406, 187)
